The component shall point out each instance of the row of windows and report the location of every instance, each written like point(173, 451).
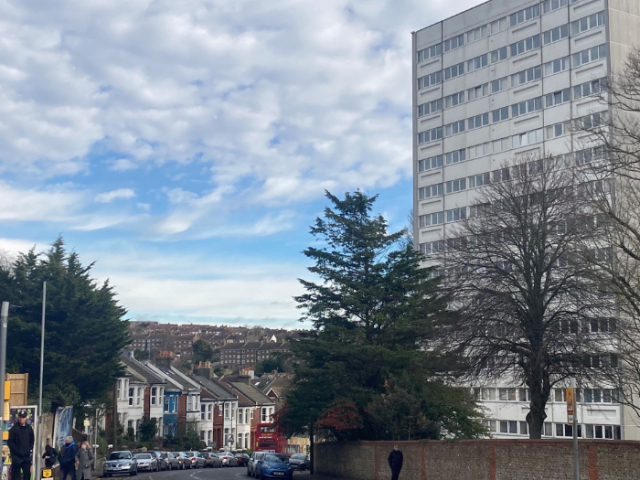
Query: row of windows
point(430, 191)
point(581, 157)
point(591, 395)
point(438, 218)
point(593, 87)
point(437, 161)
point(595, 325)
point(579, 91)
point(478, 121)
point(550, 68)
point(489, 29)
point(604, 325)
point(608, 432)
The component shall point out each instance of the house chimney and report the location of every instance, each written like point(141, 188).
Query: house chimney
point(164, 360)
point(204, 369)
point(244, 379)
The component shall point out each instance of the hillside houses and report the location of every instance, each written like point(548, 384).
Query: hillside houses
point(235, 346)
point(225, 411)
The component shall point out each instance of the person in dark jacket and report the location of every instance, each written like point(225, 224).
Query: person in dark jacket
point(68, 459)
point(395, 462)
point(21, 440)
point(49, 456)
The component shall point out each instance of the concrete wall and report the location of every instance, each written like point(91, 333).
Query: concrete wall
point(480, 460)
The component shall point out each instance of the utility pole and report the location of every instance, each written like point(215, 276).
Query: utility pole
point(4, 316)
point(95, 439)
point(572, 419)
point(115, 415)
point(36, 453)
point(576, 459)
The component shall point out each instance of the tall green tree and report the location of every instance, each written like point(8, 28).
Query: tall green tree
point(85, 329)
point(275, 362)
point(374, 310)
point(202, 351)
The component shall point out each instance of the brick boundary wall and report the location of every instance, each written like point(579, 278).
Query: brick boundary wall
point(481, 460)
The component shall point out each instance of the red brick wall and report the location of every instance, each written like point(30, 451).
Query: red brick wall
point(481, 460)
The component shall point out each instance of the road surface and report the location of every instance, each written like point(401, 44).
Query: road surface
point(226, 473)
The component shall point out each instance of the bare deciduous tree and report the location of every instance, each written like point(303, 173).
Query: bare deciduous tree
point(615, 158)
point(525, 296)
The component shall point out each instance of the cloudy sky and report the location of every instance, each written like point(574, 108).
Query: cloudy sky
point(185, 146)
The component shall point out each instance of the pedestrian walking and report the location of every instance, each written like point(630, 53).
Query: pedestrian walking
point(84, 458)
point(68, 459)
point(49, 456)
point(395, 462)
point(21, 440)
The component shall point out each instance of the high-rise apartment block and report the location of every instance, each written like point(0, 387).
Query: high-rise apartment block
point(505, 80)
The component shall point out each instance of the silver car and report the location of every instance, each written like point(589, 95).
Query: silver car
point(228, 459)
point(118, 463)
point(172, 461)
point(197, 460)
point(211, 460)
point(147, 461)
point(185, 459)
point(161, 463)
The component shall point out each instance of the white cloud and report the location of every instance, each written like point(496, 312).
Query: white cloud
point(241, 289)
point(121, 193)
point(291, 96)
point(123, 165)
point(56, 203)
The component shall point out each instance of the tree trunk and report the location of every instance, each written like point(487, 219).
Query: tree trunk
point(539, 390)
point(311, 452)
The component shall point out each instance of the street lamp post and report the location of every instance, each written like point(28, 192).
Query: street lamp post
point(39, 419)
point(4, 316)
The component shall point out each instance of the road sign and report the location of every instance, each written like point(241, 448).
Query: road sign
point(46, 473)
point(569, 396)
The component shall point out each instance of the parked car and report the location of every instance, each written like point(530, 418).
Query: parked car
point(147, 461)
point(228, 459)
point(211, 460)
point(197, 460)
point(243, 459)
point(300, 461)
point(120, 462)
point(185, 459)
point(161, 463)
point(255, 458)
point(273, 465)
point(172, 461)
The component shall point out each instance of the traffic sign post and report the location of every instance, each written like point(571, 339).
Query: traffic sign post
point(572, 419)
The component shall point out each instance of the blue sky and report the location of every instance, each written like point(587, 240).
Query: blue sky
point(186, 146)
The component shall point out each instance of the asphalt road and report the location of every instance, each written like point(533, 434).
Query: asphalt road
point(226, 473)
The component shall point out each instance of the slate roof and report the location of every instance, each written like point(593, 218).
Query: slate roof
point(140, 370)
point(218, 391)
point(252, 393)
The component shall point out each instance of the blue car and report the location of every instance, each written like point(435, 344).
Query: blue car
point(274, 465)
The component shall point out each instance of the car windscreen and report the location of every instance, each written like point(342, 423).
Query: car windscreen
point(143, 456)
point(276, 459)
point(299, 456)
point(120, 456)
